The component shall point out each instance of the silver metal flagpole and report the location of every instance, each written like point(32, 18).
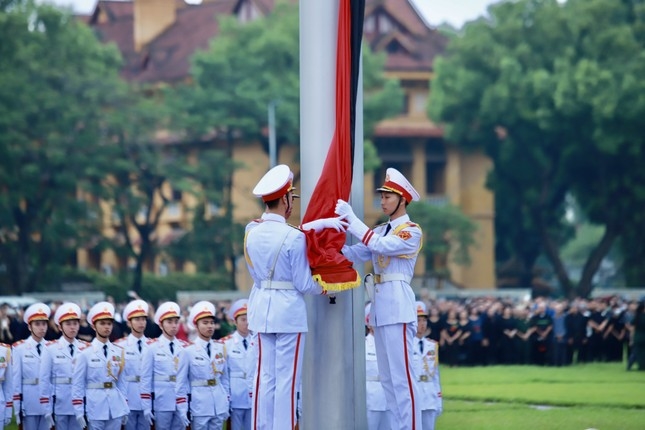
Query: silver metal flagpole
point(333, 380)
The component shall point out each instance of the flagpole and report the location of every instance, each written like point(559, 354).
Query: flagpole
point(333, 379)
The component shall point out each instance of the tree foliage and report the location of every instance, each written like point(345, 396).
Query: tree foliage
point(552, 93)
point(57, 79)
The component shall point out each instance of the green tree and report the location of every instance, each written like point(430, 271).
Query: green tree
point(57, 80)
point(549, 91)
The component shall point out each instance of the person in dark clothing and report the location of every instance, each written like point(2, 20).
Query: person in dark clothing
point(508, 327)
point(435, 324)
point(463, 354)
point(614, 336)
point(639, 337)
point(492, 335)
point(576, 325)
point(477, 351)
point(542, 322)
point(449, 339)
point(560, 339)
point(596, 325)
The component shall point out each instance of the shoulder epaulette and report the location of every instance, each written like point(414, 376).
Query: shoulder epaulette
point(52, 342)
point(225, 338)
point(84, 345)
point(122, 339)
point(411, 224)
point(6, 345)
point(294, 226)
point(258, 220)
point(185, 343)
point(432, 341)
point(20, 342)
point(151, 341)
point(118, 346)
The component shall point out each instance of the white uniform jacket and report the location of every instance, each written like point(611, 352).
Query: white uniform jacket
point(26, 371)
point(375, 394)
point(426, 370)
point(132, 372)
point(278, 309)
point(393, 254)
point(242, 363)
point(6, 381)
point(207, 379)
point(56, 371)
point(98, 379)
point(159, 370)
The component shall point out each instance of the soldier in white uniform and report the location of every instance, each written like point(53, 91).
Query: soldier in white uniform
point(426, 366)
point(276, 257)
point(6, 384)
point(98, 376)
point(242, 361)
point(379, 416)
point(206, 376)
point(135, 314)
point(163, 400)
point(393, 250)
point(57, 367)
point(30, 408)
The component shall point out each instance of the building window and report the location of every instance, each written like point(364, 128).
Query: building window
point(370, 24)
point(384, 24)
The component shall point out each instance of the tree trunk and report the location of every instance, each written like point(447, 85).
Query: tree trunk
point(585, 285)
point(553, 255)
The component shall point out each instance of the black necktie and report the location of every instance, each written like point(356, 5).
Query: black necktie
point(105, 350)
point(246, 345)
point(387, 229)
point(139, 345)
point(208, 349)
point(421, 346)
point(172, 348)
point(71, 349)
point(38, 348)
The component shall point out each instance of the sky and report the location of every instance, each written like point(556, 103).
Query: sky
point(454, 12)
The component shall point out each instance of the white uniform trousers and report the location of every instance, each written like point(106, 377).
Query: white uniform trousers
point(170, 420)
point(394, 345)
point(380, 420)
point(240, 419)
point(113, 424)
point(428, 419)
point(208, 423)
point(277, 380)
point(67, 422)
point(34, 422)
point(136, 421)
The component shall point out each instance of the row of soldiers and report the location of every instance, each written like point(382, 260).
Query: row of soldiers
point(134, 383)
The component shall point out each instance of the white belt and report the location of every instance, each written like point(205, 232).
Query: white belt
point(387, 277)
point(30, 381)
point(372, 378)
point(204, 383)
point(166, 378)
point(237, 375)
point(276, 285)
point(136, 378)
point(62, 380)
point(101, 385)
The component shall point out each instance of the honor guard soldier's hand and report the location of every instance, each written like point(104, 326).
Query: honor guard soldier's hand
point(81, 421)
point(345, 211)
point(148, 415)
point(319, 225)
point(49, 419)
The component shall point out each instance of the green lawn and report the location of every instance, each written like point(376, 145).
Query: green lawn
point(581, 397)
point(598, 396)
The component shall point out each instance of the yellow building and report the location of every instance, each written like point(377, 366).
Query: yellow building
point(152, 36)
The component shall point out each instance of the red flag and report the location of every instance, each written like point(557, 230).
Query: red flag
point(330, 268)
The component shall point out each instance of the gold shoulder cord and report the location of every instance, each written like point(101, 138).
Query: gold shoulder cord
point(384, 261)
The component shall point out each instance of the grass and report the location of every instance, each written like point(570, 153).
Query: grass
point(593, 396)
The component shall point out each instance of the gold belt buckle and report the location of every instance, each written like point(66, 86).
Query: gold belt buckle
point(172, 378)
point(423, 378)
point(377, 279)
point(107, 385)
point(211, 382)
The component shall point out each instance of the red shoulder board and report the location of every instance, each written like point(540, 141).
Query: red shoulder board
point(20, 342)
point(51, 342)
point(84, 345)
point(225, 338)
point(411, 224)
point(151, 341)
point(5, 345)
point(118, 341)
point(258, 220)
point(118, 346)
point(185, 343)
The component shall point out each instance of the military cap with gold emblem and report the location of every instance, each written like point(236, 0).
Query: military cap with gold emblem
point(275, 183)
point(239, 307)
point(37, 312)
point(422, 309)
point(167, 310)
point(200, 310)
point(136, 308)
point(100, 311)
point(395, 182)
point(66, 312)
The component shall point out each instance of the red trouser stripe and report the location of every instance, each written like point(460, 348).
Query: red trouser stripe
point(407, 372)
point(293, 384)
point(257, 383)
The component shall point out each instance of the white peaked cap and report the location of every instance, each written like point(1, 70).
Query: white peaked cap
point(101, 311)
point(275, 183)
point(203, 309)
point(136, 308)
point(37, 312)
point(167, 310)
point(395, 182)
point(67, 311)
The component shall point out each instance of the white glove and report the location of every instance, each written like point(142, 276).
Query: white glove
point(184, 418)
point(124, 420)
point(49, 419)
point(319, 225)
point(345, 211)
point(81, 421)
point(147, 414)
point(18, 418)
point(439, 411)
